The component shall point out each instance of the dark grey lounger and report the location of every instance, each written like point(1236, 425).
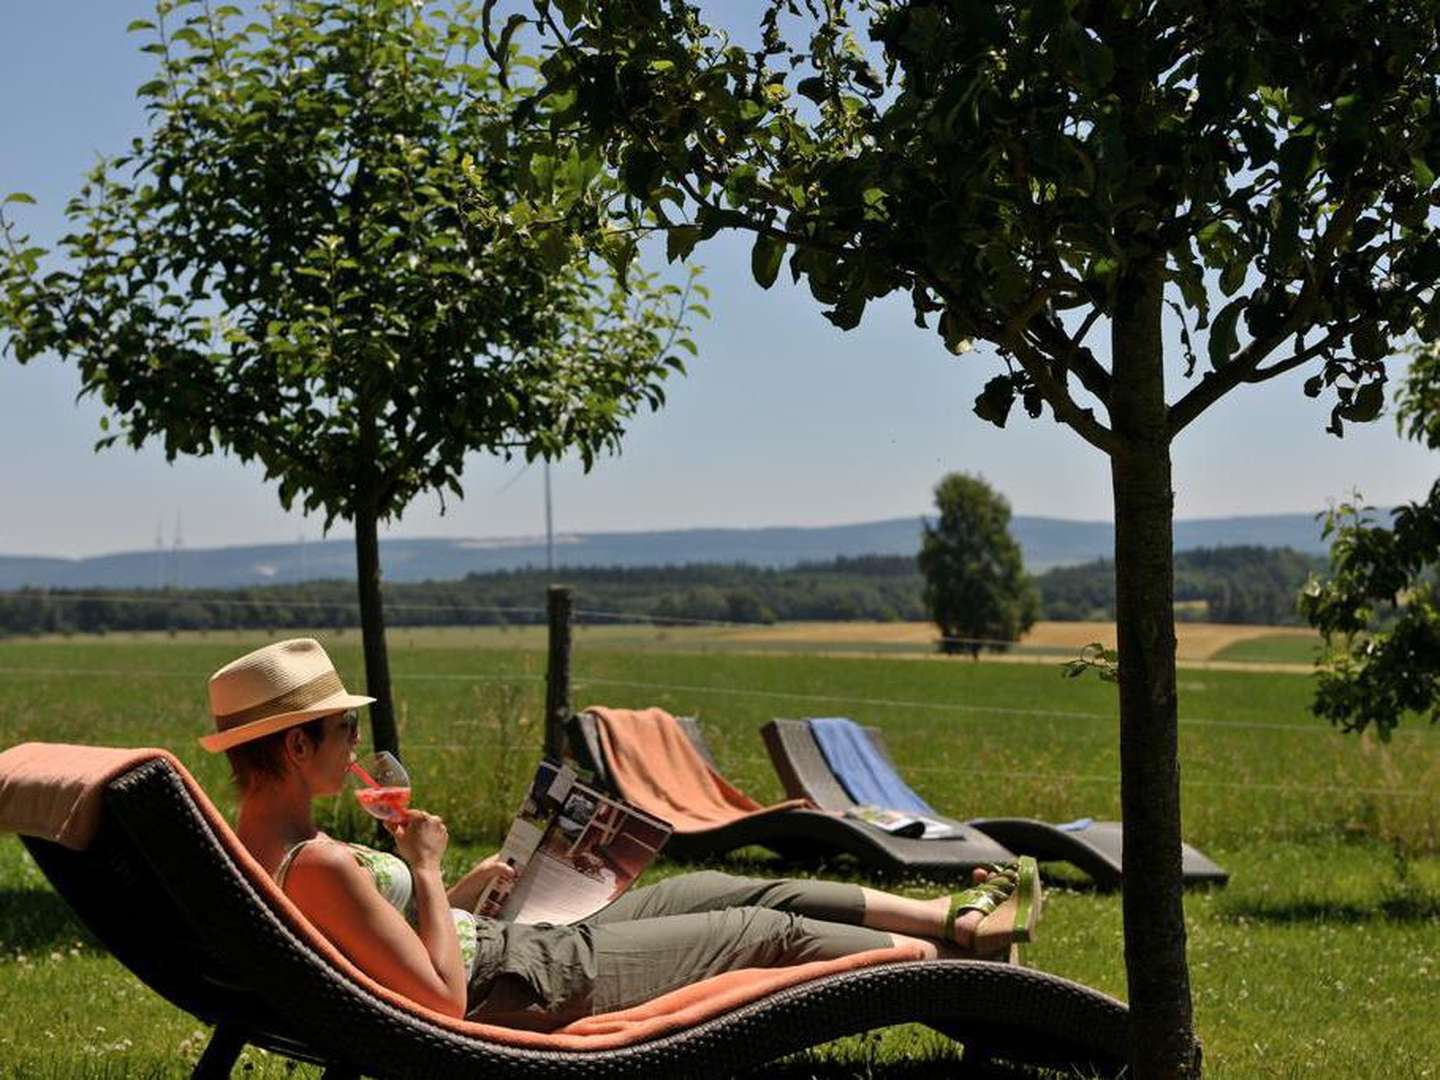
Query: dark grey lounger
point(804, 834)
point(160, 889)
point(1095, 849)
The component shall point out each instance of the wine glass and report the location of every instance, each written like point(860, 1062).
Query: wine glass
point(385, 790)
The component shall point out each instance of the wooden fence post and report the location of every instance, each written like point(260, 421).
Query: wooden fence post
point(557, 674)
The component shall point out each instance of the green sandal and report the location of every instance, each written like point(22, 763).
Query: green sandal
point(1014, 920)
point(986, 898)
point(1009, 902)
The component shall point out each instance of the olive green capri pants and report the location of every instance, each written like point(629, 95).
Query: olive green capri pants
point(659, 938)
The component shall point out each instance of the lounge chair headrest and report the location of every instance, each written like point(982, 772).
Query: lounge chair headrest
point(53, 790)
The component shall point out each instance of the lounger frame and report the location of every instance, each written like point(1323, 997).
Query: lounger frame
point(1095, 849)
point(804, 835)
point(162, 891)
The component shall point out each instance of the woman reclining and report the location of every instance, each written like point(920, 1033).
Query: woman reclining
point(289, 728)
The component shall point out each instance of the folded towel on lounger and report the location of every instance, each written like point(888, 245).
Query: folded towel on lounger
point(654, 765)
point(861, 769)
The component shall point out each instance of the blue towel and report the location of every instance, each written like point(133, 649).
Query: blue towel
point(861, 769)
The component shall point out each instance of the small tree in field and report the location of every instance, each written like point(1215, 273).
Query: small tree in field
point(1043, 174)
point(976, 587)
point(315, 258)
point(1373, 675)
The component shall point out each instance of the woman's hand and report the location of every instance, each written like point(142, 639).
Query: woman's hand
point(493, 869)
point(421, 839)
point(466, 892)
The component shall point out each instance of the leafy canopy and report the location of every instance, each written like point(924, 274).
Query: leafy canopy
point(976, 588)
point(1018, 167)
point(315, 258)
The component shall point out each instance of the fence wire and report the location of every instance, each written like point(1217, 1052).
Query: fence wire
point(793, 696)
point(734, 691)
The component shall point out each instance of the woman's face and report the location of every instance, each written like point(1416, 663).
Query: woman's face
point(335, 751)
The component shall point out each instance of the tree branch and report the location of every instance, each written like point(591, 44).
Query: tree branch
point(1081, 421)
point(1329, 341)
point(1077, 359)
point(1079, 337)
point(1217, 384)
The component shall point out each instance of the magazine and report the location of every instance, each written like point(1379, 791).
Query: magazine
point(914, 826)
point(573, 848)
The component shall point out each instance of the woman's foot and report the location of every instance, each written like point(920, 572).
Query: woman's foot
point(1001, 909)
point(966, 910)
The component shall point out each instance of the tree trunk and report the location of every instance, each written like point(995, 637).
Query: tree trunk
point(1162, 1041)
point(372, 624)
point(559, 603)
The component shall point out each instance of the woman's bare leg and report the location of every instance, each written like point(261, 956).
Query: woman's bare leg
point(919, 918)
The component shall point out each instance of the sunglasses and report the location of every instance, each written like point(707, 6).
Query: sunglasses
point(351, 719)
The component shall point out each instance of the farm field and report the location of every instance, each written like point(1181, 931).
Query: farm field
point(1272, 648)
point(1328, 933)
point(1197, 642)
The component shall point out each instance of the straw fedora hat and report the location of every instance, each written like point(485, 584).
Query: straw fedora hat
point(273, 688)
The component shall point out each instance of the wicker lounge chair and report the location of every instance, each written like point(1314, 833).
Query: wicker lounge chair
point(800, 833)
point(166, 886)
point(1093, 846)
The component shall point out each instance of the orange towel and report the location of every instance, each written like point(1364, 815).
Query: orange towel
point(75, 777)
point(655, 766)
point(52, 790)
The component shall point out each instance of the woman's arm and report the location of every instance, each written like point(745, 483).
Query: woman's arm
point(340, 898)
point(466, 892)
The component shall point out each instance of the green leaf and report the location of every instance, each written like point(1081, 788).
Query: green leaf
point(1224, 343)
point(139, 24)
point(1296, 159)
point(959, 338)
point(765, 259)
point(1233, 276)
point(1369, 342)
point(152, 88)
point(994, 402)
point(741, 184)
point(1367, 404)
point(813, 88)
point(640, 170)
point(18, 197)
point(1424, 175)
point(680, 241)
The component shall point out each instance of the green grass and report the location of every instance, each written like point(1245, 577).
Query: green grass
point(1320, 959)
point(1272, 649)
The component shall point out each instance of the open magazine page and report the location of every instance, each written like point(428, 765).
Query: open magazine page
point(898, 823)
point(574, 850)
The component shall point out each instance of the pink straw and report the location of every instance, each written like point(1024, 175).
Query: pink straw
point(360, 772)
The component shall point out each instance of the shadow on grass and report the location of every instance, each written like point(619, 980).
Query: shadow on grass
point(1404, 907)
point(761, 862)
point(811, 1066)
point(36, 919)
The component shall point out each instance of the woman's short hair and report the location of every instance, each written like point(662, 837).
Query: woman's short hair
point(261, 760)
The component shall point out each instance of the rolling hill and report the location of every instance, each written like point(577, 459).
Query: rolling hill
point(1046, 542)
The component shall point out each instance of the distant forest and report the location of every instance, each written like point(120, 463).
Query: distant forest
point(1235, 585)
point(1255, 585)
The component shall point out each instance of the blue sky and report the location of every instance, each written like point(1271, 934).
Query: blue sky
point(784, 420)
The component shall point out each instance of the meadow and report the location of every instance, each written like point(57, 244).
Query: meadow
point(1321, 958)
